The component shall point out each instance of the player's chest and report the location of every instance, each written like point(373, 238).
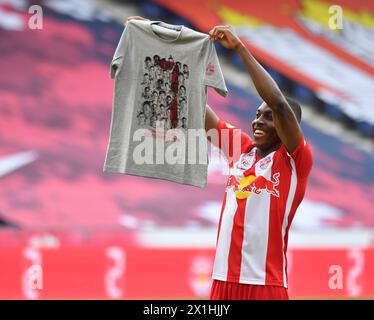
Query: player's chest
point(251, 164)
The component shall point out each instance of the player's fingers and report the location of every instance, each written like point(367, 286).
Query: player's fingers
point(226, 32)
point(211, 33)
point(219, 32)
point(134, 18)
point(215, 32)
point(223, 31)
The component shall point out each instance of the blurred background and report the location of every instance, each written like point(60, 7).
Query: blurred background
point(112, 236)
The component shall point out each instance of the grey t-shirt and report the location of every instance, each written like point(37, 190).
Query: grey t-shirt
point(161, 74)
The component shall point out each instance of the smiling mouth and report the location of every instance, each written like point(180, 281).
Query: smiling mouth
point(259, 133)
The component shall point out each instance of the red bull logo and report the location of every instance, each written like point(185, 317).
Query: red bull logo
point(261, 183)
point(254, 185)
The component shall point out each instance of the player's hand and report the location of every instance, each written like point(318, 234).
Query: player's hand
point(134, 18)
point(226, 36)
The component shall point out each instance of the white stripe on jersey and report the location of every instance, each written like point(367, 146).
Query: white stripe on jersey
point(224, 237)
point(256, 233)
point(290, 199)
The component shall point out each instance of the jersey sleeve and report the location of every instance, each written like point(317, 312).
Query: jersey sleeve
point(213, 73)
point(119, 54)
point(302, 157)
point(232, 141)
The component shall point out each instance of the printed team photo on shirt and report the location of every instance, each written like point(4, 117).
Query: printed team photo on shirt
point(155, 68)
point(163, 101)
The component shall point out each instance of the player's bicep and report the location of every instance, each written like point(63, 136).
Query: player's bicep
point(287, 126)
point(211, 121)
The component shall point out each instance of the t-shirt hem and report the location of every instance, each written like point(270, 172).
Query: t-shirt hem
point(159, 175)
point(248, 281)
point(217, 86)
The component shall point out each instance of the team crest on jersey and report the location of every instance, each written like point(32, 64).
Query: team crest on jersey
point(264, 164)
point(246, 161)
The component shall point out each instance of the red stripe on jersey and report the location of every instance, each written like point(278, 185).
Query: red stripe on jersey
point(226, 141)
point(299, 195)
point(237, 234)
point(274, 256)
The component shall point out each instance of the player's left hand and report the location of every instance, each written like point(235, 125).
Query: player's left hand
point(226, 36)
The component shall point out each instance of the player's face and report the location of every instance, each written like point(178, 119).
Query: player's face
point(264, 133)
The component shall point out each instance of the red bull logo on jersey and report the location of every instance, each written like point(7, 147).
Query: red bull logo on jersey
point(249, 185)
point(262, 184)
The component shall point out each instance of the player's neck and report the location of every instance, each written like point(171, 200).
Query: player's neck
point(262, 153)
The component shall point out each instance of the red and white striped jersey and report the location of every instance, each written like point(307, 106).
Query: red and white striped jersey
point(260, 201)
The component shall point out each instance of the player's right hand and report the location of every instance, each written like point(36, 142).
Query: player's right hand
point(226, 36)
point(134, 18)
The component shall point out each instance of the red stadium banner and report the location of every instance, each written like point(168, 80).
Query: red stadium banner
point(120, 272)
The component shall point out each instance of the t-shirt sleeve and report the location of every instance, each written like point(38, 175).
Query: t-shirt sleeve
point(232, 141)
point(213, 73)
point(119, 54)
point(302, 157)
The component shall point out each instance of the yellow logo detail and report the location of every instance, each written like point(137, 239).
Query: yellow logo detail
point(243, 183)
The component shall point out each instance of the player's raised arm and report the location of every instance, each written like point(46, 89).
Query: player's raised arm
point(211, 119)
point(285, 121)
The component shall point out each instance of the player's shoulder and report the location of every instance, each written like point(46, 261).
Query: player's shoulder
point(301, 158)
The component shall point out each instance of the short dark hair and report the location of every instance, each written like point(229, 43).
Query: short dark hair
point(296, 108)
